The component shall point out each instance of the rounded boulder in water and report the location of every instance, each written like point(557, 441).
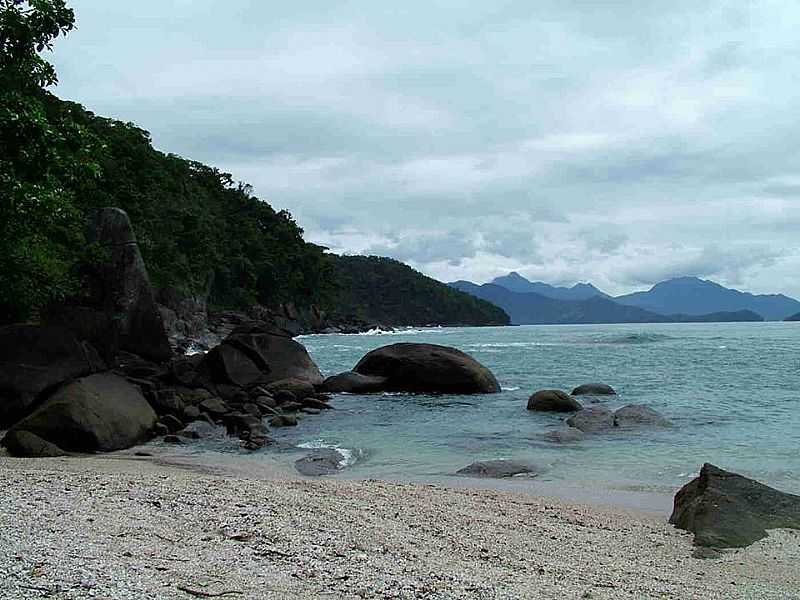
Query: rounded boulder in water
point(415, 367)
point(594, 389)
point(553, 401)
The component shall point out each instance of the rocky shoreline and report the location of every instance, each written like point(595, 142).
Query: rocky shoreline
point(103, 376)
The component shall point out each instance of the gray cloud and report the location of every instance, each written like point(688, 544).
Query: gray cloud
point(618, 142)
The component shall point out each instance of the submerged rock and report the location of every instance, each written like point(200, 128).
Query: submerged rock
point(354, 383)
point(593, 389)
point(99, 413)
point(726, 510)
point(553, 401)
point(564, 435)
point(592, 419)
point(412, 367)
point(323, 461)
point(498, 469)
point(638, 415)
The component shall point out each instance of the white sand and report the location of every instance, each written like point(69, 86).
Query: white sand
point(121, 528)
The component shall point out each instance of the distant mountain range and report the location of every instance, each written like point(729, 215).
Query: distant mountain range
point(684, 299)
point(517, 283)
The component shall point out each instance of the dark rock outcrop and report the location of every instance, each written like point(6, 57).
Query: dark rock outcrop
point(593, 389)
point(592, 419)
point(120, 312)
point(299, 388)
point(323, 461)
point(354, 383)
point(726, 510)
point(497, 469)
point(99, 413)
point(553, 401)
point(34, 359)
point(25, 443)
point(639, 415)
point(258, 353)
point(412, 367)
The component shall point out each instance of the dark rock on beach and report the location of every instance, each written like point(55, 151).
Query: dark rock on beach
point(726, 510)
point(99, 413)
point(638, 415)
point(592, 419)
point(34, 359)
point(593, 389)
point(498, 469)
point(25, 443)
point(553, 401)
point(354, 383)
point(323, 461)
point(412, 367)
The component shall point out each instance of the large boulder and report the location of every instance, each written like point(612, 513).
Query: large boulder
point(639, 415)
point(259, 353)
point(299, 388)
point(228, 364)
point(119, 312)
point(592, 419)
point(498, 469)
point(412, 367)
point(726, 510)
point(354, 383)
point(34, 359)
point(99, 413)
point(553, 401)
point(594, 389)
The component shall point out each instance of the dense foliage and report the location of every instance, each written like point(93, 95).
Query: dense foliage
point(43, 158)
point(199, 231)
point(389, 292)
point(196, 225)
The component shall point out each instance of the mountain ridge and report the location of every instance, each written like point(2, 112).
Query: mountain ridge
point(530, 307)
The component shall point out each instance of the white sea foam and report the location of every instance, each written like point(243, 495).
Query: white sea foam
point(348, 455)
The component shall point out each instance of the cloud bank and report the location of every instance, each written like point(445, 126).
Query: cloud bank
point(621, 144)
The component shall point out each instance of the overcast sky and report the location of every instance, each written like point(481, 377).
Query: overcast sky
point(607, 141)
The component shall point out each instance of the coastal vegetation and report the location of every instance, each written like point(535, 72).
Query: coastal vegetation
point(200, 231)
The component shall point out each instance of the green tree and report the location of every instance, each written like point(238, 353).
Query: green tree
point(44, 155)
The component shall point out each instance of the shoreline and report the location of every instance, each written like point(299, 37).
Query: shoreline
point(125, 527)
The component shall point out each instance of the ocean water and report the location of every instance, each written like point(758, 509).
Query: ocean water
point(732, 392)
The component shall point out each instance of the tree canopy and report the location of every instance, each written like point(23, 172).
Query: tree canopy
point(199, 230)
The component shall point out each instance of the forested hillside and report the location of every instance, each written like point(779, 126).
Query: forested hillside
point(198, 228)
point(392, 293)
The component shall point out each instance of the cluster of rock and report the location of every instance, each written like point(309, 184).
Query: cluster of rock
point(100, 375)
point(591, 419)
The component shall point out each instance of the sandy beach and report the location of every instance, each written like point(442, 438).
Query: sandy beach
point(119, 527)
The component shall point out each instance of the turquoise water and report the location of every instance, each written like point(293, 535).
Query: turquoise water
point(731, 390)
